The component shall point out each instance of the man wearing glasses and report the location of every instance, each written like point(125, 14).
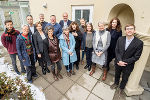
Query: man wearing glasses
point(128, 51)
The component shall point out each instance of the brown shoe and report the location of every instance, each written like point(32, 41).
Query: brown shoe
point(59, 75)
point(68, 74)
point(82, 62)
point(72, 72)
point(54, 76)
point(104, 74)
point(93, 70)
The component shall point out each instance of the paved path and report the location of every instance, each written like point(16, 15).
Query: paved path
point(80, 86)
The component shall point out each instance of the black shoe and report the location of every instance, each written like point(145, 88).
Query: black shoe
point(47, 70)
point(89, 68)
point(114, 86)
point(18, 73)
point(86, 66)
point(23, 71)
point(44, 71)
point(35, 75)
point(77, 67)
point(30, 81)
point(120, 91)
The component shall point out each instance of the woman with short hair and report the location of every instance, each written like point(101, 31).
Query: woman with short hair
point(67, 44)
point(101, 42)
point(54, 53)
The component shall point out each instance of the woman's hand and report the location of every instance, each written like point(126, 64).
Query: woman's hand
point(70, 53)
point(100, 53)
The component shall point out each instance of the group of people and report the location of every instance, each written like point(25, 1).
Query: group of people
point(51, 43)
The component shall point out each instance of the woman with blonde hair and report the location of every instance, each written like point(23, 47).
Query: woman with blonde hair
point(101, 42)
point(67, 44)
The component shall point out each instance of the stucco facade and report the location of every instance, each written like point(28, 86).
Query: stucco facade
point(128, 11)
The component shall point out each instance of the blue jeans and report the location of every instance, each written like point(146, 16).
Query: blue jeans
point(58, 66)
point(13, 59)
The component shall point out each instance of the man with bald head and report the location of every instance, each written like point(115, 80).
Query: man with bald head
point(65, 22)
point(41, 17)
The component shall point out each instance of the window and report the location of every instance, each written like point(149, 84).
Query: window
point(79, 12)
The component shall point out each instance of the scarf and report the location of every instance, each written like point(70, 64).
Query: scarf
point(103, 38)
point(8, 34)
point(66, 37)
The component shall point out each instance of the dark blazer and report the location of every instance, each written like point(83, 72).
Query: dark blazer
point(39, 42)
point(62, 23)
point(21, 49)
point(131, 54)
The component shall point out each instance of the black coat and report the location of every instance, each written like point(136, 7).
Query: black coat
point(131, 54)
point(62, 23)
point(41, 46)
point(114, 37)
point(78, 40)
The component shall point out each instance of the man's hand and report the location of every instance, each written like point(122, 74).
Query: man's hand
point(121, 63)
point(39, 55)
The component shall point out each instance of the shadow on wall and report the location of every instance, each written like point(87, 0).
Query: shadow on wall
point(124, 12)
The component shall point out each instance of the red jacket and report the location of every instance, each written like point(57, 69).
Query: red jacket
point(11, 47)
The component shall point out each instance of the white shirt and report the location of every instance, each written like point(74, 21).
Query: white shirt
point(32, 29)
point(128, 41)
point(43, 36)
point(65, 25)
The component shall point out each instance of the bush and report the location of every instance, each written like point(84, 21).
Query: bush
point(14, 88)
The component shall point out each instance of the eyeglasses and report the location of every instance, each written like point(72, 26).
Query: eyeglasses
point(129, 28)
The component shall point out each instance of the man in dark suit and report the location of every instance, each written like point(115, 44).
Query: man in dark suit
point(128, 51)
point(32, 28)
point(65, 22)
point(44, 23)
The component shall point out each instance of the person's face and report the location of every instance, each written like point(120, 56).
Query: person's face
point(130, 31)
point(101, 27)
point(82, 22)
point(114, 23)
point(39, 27)
point(53, 19)
point(50, 32)
point(65, 17)
point(41, 18)
point(89, 28)
point(74, 27)
point(9, 25)
point(66, 31)
point(29, 20)
point(25, 30)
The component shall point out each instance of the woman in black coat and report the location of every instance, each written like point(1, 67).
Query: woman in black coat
point(74, 29)
point(40, 42)
point(114, 28)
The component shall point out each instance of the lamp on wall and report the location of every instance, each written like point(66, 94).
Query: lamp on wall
point(45, 5)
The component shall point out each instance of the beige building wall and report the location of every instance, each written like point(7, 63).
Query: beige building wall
point(101, 11)
point(128, 11)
